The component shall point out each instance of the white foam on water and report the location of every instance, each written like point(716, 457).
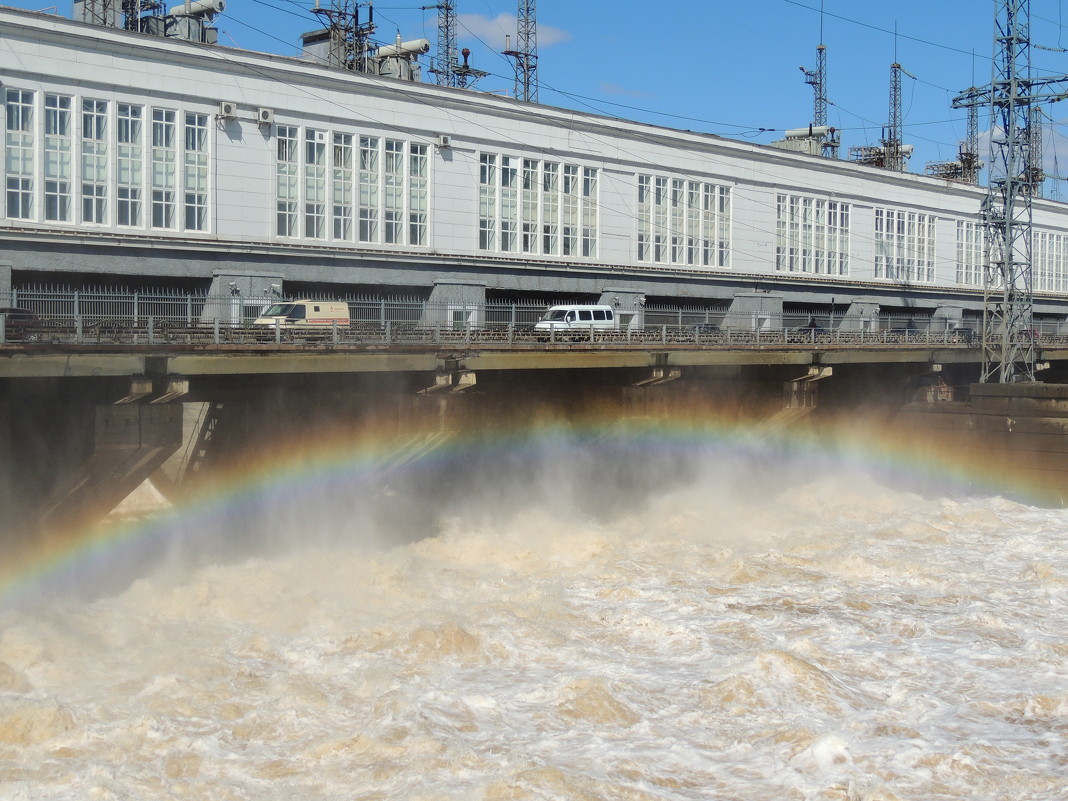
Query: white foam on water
point(839, 641)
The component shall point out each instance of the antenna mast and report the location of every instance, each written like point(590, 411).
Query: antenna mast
point(449, 70)
point(893, 151)
point(349, 38)
point(1008, 300)
point(526, 53)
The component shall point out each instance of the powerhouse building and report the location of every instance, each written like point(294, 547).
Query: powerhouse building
point(137, 160)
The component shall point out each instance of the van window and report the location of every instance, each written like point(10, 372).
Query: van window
point(316, 308)
point(569, 317)
point(608, 315)
point(279, 310)
point(598, 314)
point(584, 314)
point(300, 311)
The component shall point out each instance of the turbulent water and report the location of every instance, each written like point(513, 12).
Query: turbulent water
point(836, 641)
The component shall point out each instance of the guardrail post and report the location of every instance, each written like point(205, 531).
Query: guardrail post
point(78, 327)
point(277, 332)
point(591, 333)
point(151, 331)
point(215, 326)
point(511, 329)
point(135, 308)
point(552, 334)
point(3, 328)
point(663, 334)
point(333, 324)
point(387, 326)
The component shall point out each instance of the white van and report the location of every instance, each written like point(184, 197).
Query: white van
point(305, 313)
point(578, 317)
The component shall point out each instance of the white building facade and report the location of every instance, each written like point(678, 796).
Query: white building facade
point(132, 159)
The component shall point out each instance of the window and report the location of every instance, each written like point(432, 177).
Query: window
point(1049, 259)
point(314, 184)
point(369, 189)
point(417, 194)
point(341, 210)
point(19, 146)
point(812, 235)
point(487, 201)
point(970, 252)
point(94, 161)
point(904, 245)
point(683, 222)
point(393, 192)
point(129, 153)
point(528, 206)
point(196, 172)
point(286, 190)
point(57, 158)
point(164, 168)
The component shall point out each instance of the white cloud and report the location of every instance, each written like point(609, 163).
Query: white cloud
point(493, 31)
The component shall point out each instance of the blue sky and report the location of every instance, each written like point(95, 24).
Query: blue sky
point(729, 68)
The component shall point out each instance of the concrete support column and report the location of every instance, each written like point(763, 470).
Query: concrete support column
point(238, 296)
point(860, 316)
point(629, 305)
point(755, 311)
point(947, 318)
point(456, 304)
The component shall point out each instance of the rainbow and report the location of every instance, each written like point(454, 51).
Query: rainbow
point(335, 464)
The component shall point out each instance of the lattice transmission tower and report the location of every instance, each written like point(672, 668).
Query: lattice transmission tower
point(350, 38)
point(525, 54)
point(891, 153)
point(1008, 299)
point(447, 68)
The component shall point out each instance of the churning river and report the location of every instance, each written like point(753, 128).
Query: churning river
point(837, 640)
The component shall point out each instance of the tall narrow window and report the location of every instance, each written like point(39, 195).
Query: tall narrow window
point(509, 205)
point(645, 218)
point(286, 175)
point(58, 168)
point(589, 212)
point(130, 156)
point(529, 206)
point(417, 195)
point(660, 219)
point(164, 168)
point(369, 188)
point(341, 209)
point(196, 172)
point(487, 201)
point(393, 192)
point(314, 184)
point(19, 153)
point(550, 209)
point(94, 161)
point(569, 211)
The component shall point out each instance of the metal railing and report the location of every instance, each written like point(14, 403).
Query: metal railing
point(117, 316)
